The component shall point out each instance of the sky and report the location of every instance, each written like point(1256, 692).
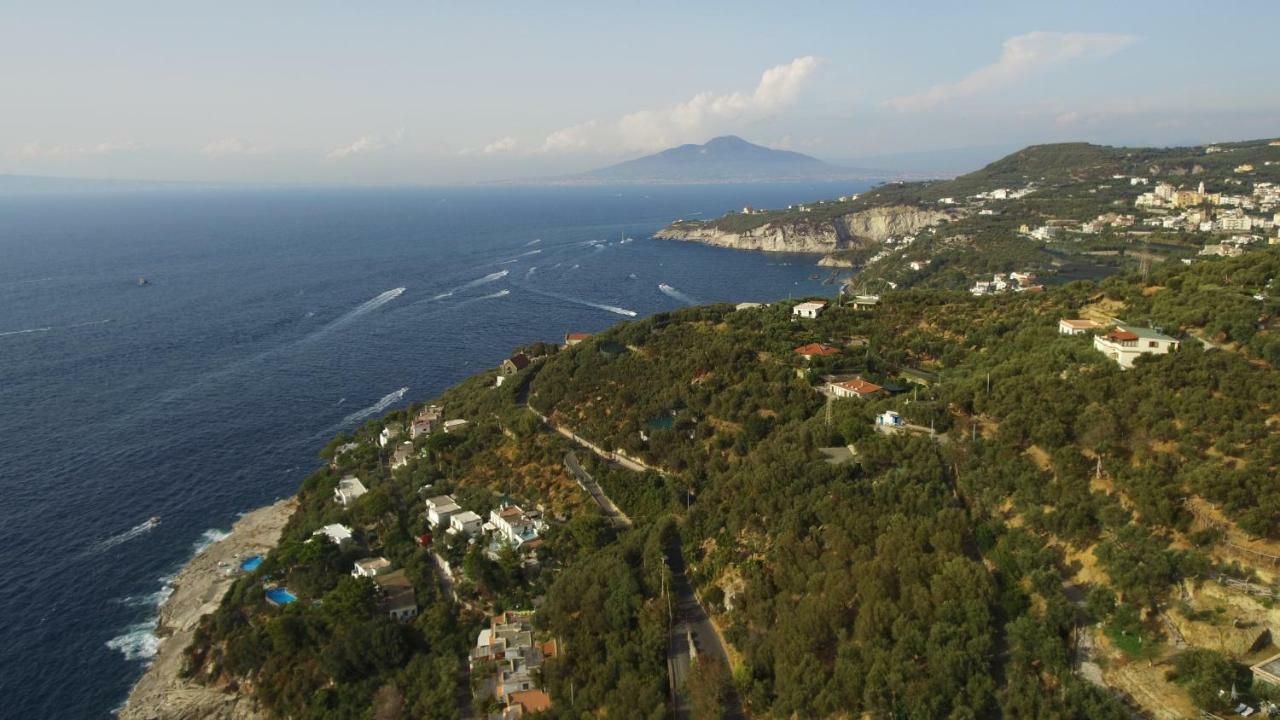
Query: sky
point(396, 92)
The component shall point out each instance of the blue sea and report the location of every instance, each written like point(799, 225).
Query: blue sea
point(272, 320)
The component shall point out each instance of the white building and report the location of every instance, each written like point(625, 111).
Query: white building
point(514, 525)
point(452, 426)
point(889, 419)
point(337, 534)
point(389, 433)
point(370, 567)
point(809, 310)
point(1076, 327)
point(349, 490)
point(466, 522)
point(440, 509)
point(1126, 342)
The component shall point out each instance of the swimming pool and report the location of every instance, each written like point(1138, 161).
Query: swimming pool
point(280, 596)
point(251, 564)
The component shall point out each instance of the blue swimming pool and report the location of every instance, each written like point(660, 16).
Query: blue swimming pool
point(251, 564)
point(280, 596)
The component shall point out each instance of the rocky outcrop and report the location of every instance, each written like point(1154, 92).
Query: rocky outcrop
point(857, 230)
point(835, 261)
point(162, 693)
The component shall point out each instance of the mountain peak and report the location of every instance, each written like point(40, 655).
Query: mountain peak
point(726, 158)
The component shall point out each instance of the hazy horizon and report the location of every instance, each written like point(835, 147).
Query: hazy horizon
point(330, 93)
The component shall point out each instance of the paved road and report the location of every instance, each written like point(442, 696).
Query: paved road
point(690, 622)
point(589, 484)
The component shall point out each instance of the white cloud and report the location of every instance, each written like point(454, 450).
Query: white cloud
point(365, 145)
point(41, 149)
point(227, 147)
point(1020, 57)
point(693, 120)
point(500, 145)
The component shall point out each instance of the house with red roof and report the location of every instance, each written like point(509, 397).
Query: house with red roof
point(856, 388)
point(808, 352)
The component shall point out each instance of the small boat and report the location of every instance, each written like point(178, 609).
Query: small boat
point(814, 276)
point(153, 520)
point(143, 281)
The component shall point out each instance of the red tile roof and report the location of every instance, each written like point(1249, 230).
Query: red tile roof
point(816, 349)
point(532, 701)
point(1121, 335)
point(861, 387)
point(576, 336)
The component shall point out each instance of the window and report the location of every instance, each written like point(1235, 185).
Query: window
point(1153, 344)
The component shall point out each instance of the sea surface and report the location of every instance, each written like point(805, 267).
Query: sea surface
point(272, 320)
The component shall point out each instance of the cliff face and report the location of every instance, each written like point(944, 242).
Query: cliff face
point(855, 230)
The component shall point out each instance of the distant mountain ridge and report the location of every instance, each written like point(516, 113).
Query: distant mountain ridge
point(722, 159)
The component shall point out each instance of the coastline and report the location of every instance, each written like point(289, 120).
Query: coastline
point(161, 694)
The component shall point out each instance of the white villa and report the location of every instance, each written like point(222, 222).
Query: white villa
point(808, 310)
point(466, 523)
point(1126, 342)
point(454, 425)
point(514, 525)
point(337, 534)
point(349, 490)
point(1067, 326)
point(370, 567)
point(440, 509)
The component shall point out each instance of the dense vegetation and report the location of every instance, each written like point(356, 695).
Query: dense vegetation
point(926, 579)
point(937, 575)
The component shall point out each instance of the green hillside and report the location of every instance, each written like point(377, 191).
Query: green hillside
point(1047, 510)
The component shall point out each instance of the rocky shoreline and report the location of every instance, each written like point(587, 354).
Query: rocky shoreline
point(161, 693)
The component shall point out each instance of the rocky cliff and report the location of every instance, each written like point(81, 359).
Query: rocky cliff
point(163, 693)
point(856, 230)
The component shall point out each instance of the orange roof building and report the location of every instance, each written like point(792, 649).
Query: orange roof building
point(858, 388)
point(816, 349)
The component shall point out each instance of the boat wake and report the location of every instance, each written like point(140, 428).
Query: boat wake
point(534, 241)
point(25, 332)
point(364, 308)
point(501, 293)
point(387, 401)
point(29, 331)
point(676, 294)
point(134, 532)
point(491, 277)
point(579, 301)
point(515, 258)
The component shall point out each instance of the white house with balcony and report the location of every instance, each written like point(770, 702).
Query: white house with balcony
point(466, 523)
point(349, 490)
point(809, 310)
point(1125, 343)
point(370, 567)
